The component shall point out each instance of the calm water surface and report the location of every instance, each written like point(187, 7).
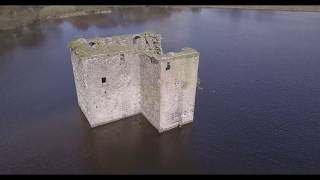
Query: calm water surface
point(257, 110)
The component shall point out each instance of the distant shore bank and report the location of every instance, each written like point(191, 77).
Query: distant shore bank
point(307, 8)
point(13, 17)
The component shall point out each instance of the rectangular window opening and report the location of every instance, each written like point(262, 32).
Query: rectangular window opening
point(103, 80)
point(122, 57)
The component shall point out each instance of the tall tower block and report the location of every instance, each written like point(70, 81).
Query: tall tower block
point(121, 76)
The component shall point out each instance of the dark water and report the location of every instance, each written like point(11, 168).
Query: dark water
point(258, 111)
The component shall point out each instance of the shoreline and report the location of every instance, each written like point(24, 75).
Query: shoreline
point(15, 17)
point(300, 8)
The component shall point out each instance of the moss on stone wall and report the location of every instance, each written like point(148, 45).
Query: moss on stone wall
point(100, 46)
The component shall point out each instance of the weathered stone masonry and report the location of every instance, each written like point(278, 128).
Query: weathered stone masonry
point(121, 76)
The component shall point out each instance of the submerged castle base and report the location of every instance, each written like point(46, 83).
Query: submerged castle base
point(121, 76)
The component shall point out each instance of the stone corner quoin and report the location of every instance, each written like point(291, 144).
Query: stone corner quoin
point(121, 76)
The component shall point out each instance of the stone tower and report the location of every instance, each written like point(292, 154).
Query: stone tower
point(122, 76)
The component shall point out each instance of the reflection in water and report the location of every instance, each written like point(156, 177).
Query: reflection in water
point(195, 9)
point(264, 16)
point(235, 14)
point(28, 36)
point(132, 145)
point(122, 17)
point(33, 35)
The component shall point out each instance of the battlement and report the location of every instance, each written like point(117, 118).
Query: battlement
point(121, 76)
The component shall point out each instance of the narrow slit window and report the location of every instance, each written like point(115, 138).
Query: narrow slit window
point(103, 80)
point(122, 61)
point(168, 66)
point(122, 57)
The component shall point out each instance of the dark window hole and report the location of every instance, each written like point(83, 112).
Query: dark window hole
point(168, 66)
point(92, 43)
point(122, 57)
point(103, 80)
point(153, 60)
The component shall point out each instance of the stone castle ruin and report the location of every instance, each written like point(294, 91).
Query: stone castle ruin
point(121, 76)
